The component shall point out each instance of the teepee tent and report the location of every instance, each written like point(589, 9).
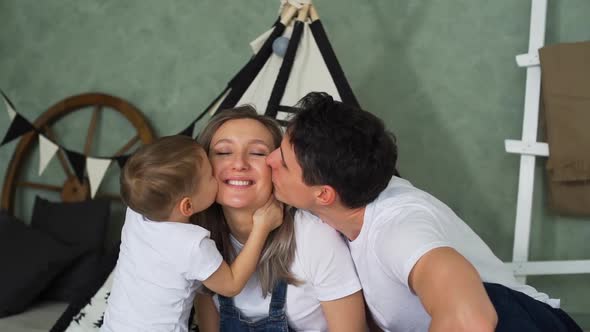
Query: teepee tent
point(290, 60)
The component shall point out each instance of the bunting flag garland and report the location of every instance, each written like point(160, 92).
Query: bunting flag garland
point(9, 106)
point(96, 168)
point(18, 127)
point(47, 150)
point(121, 160)
point(78, 163)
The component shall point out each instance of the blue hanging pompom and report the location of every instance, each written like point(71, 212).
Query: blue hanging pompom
point(279, 46)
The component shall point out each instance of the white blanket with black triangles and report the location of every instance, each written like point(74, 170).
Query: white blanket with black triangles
point(90, 318)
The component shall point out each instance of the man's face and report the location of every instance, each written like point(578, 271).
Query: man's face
point(287, 177)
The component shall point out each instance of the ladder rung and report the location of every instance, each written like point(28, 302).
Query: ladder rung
point(527, 60)
point(528, 148)
point(550, 267)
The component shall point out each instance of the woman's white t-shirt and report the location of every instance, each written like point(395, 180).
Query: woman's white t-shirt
point(322, 263)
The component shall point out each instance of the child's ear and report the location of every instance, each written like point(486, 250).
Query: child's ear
point(186, 207)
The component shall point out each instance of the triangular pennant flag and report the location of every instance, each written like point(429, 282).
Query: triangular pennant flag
point(47, 150)
point(78, 163)
point(9, 106)
point(121, 160)
point(18, 127)
point(188, 131)
point(96, 169)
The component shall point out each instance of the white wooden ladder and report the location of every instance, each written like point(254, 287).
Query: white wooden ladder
point(529, 149)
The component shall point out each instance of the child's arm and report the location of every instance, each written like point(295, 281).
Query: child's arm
point(230, 280)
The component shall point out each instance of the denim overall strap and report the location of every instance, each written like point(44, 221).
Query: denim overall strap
point(225, 301)
point(277, 301)
point(232, 320)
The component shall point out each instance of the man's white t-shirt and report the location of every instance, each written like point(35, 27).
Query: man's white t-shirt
point(399, 227)
point(159, 269)
point(322, 263)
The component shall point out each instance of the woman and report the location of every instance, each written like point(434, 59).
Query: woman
point(305, 267)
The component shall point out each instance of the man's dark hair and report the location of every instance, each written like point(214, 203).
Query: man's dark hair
point(344, 147)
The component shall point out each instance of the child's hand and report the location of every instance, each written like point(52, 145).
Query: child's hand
point(269, 216)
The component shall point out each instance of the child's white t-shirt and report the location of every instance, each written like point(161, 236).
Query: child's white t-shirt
point(402, 225)
point(159, 269)
point(322, 263)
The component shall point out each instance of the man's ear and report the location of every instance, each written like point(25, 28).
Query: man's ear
point(186, 207)
point(325, 195)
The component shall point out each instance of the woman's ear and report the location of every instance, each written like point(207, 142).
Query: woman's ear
point(186, 207)
point(326, 195)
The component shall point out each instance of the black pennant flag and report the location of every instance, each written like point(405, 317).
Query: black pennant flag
point(18, 127)
point(78, 163)
point(189, 130)
point(121, 160)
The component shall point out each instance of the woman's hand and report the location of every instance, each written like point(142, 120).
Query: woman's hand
point(269, 216)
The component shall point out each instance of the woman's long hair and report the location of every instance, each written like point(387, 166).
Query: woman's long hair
point(279, 250)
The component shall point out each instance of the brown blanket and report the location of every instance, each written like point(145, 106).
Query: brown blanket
point(565, 82)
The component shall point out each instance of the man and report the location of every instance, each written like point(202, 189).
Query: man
point(420, 265)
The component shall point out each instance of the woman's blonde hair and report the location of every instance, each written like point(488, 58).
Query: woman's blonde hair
point(279, 249)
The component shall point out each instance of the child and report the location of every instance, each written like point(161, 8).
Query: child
point(164, 258)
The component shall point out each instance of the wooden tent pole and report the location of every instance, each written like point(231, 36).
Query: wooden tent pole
point(302, 15)
point(288, 14)
point(313, 13)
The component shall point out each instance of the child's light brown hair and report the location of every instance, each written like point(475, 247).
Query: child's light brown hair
point(159, 174)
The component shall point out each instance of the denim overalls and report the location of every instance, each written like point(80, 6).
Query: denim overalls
point(231, 319)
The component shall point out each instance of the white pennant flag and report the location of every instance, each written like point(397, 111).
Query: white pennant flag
point(9, 109)
point(47, 150)
point(96, 168)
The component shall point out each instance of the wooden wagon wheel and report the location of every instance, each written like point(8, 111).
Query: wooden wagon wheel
point(71, 190)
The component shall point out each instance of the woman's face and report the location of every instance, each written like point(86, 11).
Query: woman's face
point(237, 152)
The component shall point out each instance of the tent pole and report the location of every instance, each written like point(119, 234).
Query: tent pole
point(302, 16)
point(313, 13)
point(288, 14)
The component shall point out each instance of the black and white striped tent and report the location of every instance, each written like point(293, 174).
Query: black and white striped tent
point(273, 83)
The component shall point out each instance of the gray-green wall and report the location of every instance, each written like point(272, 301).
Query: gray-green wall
point(441, 73)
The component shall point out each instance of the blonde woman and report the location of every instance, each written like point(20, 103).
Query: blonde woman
point(306, 280)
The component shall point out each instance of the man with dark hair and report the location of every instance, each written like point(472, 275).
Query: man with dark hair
point(421, 267)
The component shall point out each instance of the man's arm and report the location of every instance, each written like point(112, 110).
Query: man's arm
point(346, 314)
point(452, 292)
